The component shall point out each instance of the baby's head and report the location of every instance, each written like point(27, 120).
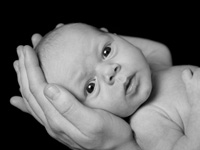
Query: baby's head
point(100, 69)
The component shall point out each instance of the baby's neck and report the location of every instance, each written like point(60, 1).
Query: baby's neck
point(155, 87)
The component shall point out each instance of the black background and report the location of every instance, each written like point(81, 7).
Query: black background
point(177, 26)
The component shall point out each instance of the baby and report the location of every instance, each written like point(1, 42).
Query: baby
point(109, 72)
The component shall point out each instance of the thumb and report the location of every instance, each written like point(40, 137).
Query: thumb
point(58, 96)
point(68, 105)
point(52, 92)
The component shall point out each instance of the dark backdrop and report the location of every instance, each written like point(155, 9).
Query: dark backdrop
point(177, 27)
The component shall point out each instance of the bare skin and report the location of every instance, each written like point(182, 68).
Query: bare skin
point(169, 120)
point(60, 116)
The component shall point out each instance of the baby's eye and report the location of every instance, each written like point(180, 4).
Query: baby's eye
point(106, 51)
point(90, 87)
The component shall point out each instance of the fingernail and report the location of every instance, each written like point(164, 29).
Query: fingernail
point(52, 92)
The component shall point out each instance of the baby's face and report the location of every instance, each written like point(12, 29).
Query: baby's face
point(102, 70)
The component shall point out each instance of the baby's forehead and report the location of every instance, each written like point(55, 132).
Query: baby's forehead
point(80, 29)
point(79, 36)
point(78, 41)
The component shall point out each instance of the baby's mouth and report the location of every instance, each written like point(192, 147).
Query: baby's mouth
point(130, 84)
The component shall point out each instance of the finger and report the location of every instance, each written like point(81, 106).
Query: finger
point(19, 103)
point(36, 38)
point(70, 143)
point(35, 76)
point(37, 82)
point(34, 73)
point(186, 75)
point(31, 103)
point(16, 67)
point(59, 25)
point(78, 114)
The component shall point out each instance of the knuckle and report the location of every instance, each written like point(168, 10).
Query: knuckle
point(69, 109)
point(25, 92)
point(33, 89)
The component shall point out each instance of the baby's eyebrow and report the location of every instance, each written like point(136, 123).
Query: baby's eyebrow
point(81, 79)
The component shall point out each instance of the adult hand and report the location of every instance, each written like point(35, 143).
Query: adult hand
point(63, 116)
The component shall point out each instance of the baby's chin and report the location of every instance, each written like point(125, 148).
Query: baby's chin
point(134, 107)
point(127, 112)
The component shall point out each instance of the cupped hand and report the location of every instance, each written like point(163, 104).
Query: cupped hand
point(63, 116)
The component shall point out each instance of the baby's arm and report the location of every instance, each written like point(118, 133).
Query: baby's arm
point(155, 130)
point(192, 130)
point(157, 54)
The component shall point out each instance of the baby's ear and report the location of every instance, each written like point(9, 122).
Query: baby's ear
point(59, 25)
point(104, 29)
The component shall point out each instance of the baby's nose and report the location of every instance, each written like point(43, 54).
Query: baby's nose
point(110, 72)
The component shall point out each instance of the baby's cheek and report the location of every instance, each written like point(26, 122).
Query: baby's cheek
point(109, 98)
point(113, 93)
point(96, 101)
